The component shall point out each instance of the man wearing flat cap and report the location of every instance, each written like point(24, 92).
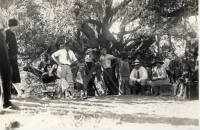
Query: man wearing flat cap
point(138, 77)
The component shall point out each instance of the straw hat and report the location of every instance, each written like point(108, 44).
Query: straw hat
point(89, 50)
point(157, 61)
point(136, 62)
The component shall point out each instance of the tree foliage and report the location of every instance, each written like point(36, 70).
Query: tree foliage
point(88, 24)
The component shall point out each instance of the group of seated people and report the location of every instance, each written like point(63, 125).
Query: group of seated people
point(139, 78)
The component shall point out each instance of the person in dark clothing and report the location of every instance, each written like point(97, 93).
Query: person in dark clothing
point(12, 53)
point(48, 68)
point(5, 72)
point(90, 68)
point(49, 74)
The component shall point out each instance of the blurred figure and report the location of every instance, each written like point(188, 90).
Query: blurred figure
point(44, 60)
point(12, 52)
point(138, 78)
point(80, 85)
point(5, 72)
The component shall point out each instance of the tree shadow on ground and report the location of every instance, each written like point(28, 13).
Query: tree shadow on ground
point(82, 109)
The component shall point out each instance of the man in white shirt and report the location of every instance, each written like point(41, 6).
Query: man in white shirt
point(64, 58)
point(108, 74)
point(138, 77)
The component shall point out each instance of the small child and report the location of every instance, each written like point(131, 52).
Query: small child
point(81, 86)
point(124, 71)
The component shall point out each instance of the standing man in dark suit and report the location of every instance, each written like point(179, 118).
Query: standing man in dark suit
point(12, 52)
point(5, 71)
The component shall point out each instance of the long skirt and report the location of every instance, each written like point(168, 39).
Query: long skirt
point(15, 69)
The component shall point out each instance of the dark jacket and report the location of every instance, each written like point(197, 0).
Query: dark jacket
point(12, 43)
point(5, 69)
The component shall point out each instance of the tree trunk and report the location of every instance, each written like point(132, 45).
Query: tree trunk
point(157, 37)
point(88, 31)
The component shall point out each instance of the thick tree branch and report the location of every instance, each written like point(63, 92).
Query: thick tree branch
point(88, 31)
point(120, 6)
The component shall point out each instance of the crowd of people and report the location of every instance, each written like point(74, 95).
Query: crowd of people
point(100, 73)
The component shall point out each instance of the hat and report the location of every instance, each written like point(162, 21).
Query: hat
point(89, 50)
point(157, 61)
point(136, 62)
point(12, 22)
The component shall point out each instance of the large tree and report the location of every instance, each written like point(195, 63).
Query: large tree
point(88, 22)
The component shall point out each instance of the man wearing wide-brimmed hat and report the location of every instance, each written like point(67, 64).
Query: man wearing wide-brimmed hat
point(159, 76)
point(138, 77)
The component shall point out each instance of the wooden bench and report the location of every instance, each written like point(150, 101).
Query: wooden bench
point(166, 90)
point(193, 90)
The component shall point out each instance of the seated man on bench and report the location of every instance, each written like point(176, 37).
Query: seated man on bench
point(138, 78)
point(159, 77)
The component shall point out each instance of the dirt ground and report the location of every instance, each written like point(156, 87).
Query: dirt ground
point(109, 112)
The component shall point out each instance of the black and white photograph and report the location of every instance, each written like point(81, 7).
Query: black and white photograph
point(99, 64)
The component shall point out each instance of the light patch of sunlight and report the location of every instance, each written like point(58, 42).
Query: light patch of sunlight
point(115, 28)
point(116, 2)
point(132, 25)
point(193, 20)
